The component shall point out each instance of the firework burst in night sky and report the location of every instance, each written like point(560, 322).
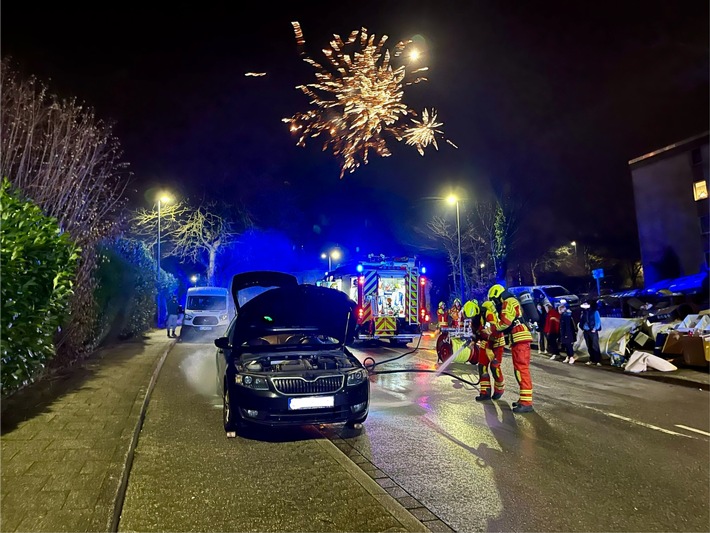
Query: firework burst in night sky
point(356, 100)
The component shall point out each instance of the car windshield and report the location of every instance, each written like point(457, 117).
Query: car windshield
point(206, 303)
point(556, 291)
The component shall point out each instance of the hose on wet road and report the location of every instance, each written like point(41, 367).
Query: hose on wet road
point(369, 363)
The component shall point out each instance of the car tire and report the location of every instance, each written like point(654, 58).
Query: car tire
point(230, 425)
point(351, 424)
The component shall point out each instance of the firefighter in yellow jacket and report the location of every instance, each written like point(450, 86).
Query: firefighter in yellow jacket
point(490, 345)
point(509, 321)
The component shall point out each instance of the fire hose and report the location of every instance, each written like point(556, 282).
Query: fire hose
point(370, 364)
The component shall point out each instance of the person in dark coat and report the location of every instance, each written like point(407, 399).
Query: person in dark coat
point(591, 323)
point(174, 310)
point(568, 332)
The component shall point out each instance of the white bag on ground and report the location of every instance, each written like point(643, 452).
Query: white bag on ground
point(641, 361)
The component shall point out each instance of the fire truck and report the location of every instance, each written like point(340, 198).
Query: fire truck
point(391, 296)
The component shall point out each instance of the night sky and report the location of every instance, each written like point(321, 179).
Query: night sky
point(551, 99)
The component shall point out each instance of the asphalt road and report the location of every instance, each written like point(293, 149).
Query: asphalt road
point(602, 452)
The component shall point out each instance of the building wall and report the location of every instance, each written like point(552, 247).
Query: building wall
point(672, 225)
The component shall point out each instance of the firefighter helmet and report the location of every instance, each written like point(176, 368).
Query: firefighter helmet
point(457, 302)
point(442, 305)
point(495, 291)
point(471, 309)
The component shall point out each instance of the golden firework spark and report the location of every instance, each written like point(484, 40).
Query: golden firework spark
point(356, 100)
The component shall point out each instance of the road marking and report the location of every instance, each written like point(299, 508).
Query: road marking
point(693, 429)
point(644, 424)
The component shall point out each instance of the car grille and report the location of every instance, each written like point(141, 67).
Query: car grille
point(205, 321)
point(297, 385)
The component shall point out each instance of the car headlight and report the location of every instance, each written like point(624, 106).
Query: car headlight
point(188, 316)
point(357, 377)
point(251, 382)
point(223, 317)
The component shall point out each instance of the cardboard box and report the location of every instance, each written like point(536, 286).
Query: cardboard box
point(694, 350)
point(673, 344)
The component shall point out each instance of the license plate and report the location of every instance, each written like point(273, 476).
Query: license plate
point(205, 328)
point(311, 402)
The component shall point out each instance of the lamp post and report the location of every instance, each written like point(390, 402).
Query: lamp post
point(193, 279)
point(162, 199)
point(454, 200)
point(574, 243)
point(480, 271)
point(333, 254)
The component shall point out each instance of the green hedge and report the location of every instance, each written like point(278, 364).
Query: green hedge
point(126, 289)
point(38, 265)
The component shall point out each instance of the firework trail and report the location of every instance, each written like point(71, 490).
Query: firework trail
point(356, 101)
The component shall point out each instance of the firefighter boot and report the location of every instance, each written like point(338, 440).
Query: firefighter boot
point(518, 408)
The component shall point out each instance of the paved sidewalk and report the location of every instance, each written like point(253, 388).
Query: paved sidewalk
point(67, 446)
point(66, 440)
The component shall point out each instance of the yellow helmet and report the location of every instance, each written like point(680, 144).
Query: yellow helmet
point(471, 309)
point(495, 291)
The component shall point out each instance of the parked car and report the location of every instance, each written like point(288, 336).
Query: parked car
point(284, 360)
point(553, 293)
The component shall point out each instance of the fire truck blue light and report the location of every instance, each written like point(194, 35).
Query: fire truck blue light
point(359, 268)
point(423, 270)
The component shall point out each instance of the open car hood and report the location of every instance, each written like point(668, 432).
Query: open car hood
point(320, 310)
point(260, 278)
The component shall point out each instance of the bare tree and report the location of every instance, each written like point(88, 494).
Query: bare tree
point(69, 163)
point(197, 235)
point(499, 225)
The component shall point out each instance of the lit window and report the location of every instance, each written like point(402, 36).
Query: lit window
point(700, 190)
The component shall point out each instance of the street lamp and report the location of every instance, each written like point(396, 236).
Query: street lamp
point(162, 199)
point(454, 200)
point(574, 243)
point(480, 271)
point(193, 279)
point(333, 254)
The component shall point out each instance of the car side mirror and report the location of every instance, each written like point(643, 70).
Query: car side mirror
point(222, 343)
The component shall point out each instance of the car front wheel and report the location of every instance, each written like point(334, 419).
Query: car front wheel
point(230, 426)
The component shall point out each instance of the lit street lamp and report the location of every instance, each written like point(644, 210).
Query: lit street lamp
point(193, 279)
point(574, 243)
point(454, 200)
point(333, 254)
point(480, 270)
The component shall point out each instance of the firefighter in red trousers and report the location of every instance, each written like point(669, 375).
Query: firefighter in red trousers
point(509, 320)
point(490, 346)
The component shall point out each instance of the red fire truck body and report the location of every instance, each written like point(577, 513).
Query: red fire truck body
point(391, 297)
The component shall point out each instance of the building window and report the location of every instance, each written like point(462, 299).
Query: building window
point(700, 190)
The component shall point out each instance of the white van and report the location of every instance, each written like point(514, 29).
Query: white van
point(208, 311)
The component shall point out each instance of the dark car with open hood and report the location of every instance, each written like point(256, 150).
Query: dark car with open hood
point(284, 360)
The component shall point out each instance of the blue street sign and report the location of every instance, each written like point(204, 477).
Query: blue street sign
point(598, 273)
